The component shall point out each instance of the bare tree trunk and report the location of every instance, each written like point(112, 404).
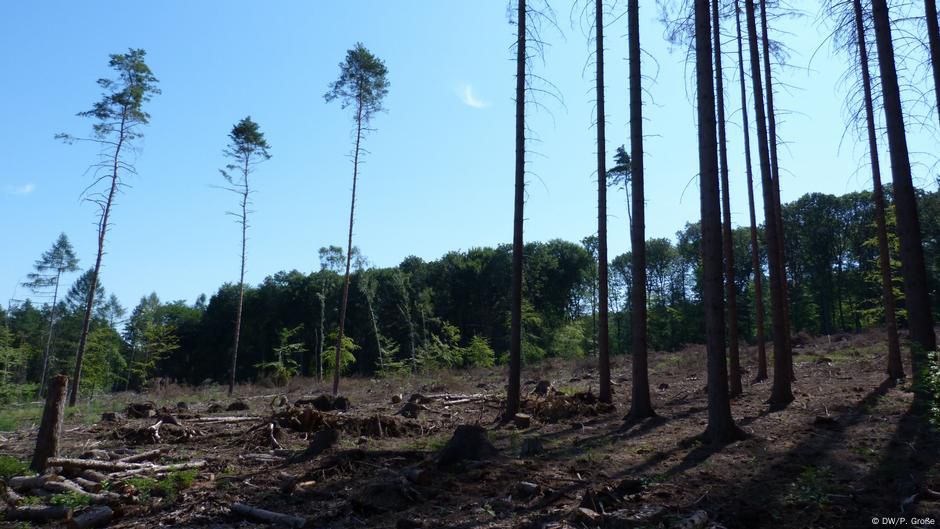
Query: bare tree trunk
point(241, 281)
point(933, 38)
point(337, 366)
point(45, 354)
point(47, 440)
point(731, 288)
point(721, 427)
point(920, 319)
point(755, 247)
point(603, 345)
point(787, 352)
point(322, 337)
point(93, 284)
point(781, 394)
point(641, 405)
point(515, 340)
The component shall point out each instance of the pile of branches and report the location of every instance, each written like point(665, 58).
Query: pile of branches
point(85, 492)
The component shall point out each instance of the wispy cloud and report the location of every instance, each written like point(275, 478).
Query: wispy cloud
point(24, 189)
point(469, 98)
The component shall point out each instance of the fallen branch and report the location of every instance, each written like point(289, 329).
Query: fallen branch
point(93, 464)
point(157, 469)
point(143, 456)
point(271, 517)
point(31, 482)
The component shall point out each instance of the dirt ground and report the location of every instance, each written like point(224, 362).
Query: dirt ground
point(847, 450)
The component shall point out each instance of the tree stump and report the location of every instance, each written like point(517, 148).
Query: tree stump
point(47, 441)
point(469, 442)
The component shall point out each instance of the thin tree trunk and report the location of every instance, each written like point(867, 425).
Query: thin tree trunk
point(778, 205)
point(337, 366)
point(721, 427)
point(515, 339)
point(895, 364)
point(603, 345)
point(322, 336)
point(755, 246)
point(727, 234)
point(933, 38)
point(375, 331)
point(241, 282)
point(45, 354)
point(641, 405)
point(93, 284)
point(920, 319)
point(781, 393)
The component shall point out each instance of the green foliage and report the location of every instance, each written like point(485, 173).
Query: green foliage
point(72, 500)
point(11, 466)
point(811, 488)
point(479, 353)
point(168, 487)
point(52, 264)
point(285, 367)
point(347, 353)
point(124, 96)
point(103, 363)
point(929, 386)
point(363, 82)
point(568, 341)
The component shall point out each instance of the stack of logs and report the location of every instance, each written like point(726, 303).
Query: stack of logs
point(84, 478)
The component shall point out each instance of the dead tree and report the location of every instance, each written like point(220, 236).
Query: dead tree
point(47, 440)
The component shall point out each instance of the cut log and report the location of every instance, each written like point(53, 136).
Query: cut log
point(47, 441)
point(271, 517)
point(108, 466)
point(143, 456)
point(522, 420)
point(93, 475)
point(38, 513)
point(95, 517)
point(157, 469)
point(70, 487)
point(7, 494)
point(31, 482)
point(87, 484)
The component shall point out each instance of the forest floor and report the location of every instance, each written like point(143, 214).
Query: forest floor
point(849, 449)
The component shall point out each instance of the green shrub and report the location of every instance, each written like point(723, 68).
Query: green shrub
point(11, 466)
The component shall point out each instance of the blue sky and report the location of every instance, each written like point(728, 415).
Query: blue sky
point(439, 172)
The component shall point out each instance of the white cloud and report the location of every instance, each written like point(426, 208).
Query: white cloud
point(469, 98)
point(24, 189)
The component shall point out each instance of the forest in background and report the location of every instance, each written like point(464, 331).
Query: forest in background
point(453, 312)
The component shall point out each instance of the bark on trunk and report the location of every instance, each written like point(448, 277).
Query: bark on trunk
point(755, 246)
point(721, 427)
point(920, 319)
point(603, 338)
point(781, 393)
point(641, 405)
point(93, 284)
point(241, 281)
point(787, 362)
point(933, 38)
point(337, 366)
point(734, 357)
point(47, 440)
point(515, 339)
point(895, 366)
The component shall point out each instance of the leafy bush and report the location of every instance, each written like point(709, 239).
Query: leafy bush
point(479, 353)
point(11, 466)
point(347, 354)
